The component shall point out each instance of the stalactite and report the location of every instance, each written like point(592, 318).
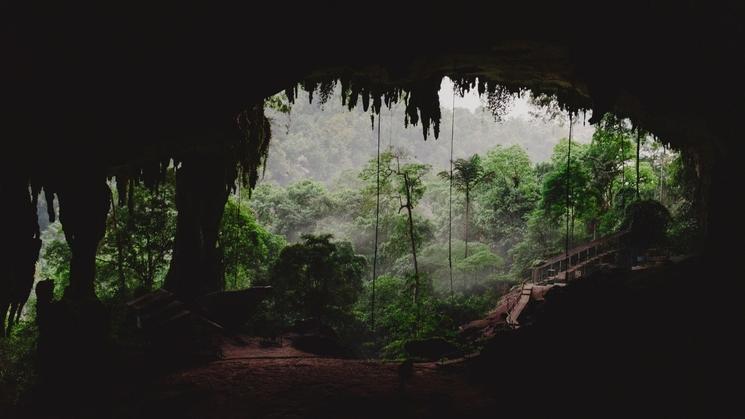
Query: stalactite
point(365, 100)
point(35, 191)
point(49, 199)
point(131, 196)
point(309, 87)
point(122, 181)
point(19, 248)
point(481, 86)
point(291, 93)
point(203, 183)
point(252, 149)
point(353, 96)
point(421, 100)
point(377, 105)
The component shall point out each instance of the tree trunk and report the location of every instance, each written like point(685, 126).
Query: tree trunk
point(571, 230)
point(468, 198)
point(149, 269)
point(595, 229)
point(568, 188)
point(121, 278)
point(201, 194)
point(638, 148)
point(413, 240)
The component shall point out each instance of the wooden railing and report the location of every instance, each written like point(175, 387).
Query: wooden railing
point(568, 266)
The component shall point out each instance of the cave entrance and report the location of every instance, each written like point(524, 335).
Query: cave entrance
point(321, 178)
point(519, 200)
point(130, 105)
point(523, 206)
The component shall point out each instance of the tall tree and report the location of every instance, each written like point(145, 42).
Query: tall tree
point(248, 250)
point(638, 155)
point(467, 173)
point(150, 225)
point(605, 160)
point(507, 199)
point(317, 279)
point(410, 190)
point(136, 248)
point(378, 204)
point(559, 181)
point(401, 188)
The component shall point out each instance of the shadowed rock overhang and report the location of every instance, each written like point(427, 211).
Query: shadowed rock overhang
point(103, 74)
point(111, 87)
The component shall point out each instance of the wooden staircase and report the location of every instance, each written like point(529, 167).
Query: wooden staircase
point(579, 261)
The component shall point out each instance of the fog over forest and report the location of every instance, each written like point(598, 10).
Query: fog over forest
point(323, 141)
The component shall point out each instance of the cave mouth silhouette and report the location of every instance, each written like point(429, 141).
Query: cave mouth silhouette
point(93, 93)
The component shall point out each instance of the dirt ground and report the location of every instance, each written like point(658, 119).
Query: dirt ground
point(282, 382)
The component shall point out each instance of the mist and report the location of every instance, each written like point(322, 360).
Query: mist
point(324, 141)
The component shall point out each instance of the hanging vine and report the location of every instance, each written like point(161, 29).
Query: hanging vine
point(450, 199)
point(568, 191)
point(377, 224)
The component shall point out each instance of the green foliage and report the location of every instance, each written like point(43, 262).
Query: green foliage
point(278, 103)
point(317, 279)
point(139, 237)
point(647, 222)
point(480, 261)
point(544, 238)
point(600, 179)
point(684, 232)
point(135, 252)
point(573, 178)
point(680, 191)
point(248, 250)
point(402, 187)
point(467, 173)
point(519, 217)
point(17, 365)
point(399, 319)
point(480, 268)
point(398, 243)
point(409, 181)
point(291, 211)
point(55, 258)
point(505, 201)
point(602, 184)
point(611, 149)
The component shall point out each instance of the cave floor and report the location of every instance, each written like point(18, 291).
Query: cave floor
point(282, 382)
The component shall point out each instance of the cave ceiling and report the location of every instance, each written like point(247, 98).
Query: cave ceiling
point(88, 85)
